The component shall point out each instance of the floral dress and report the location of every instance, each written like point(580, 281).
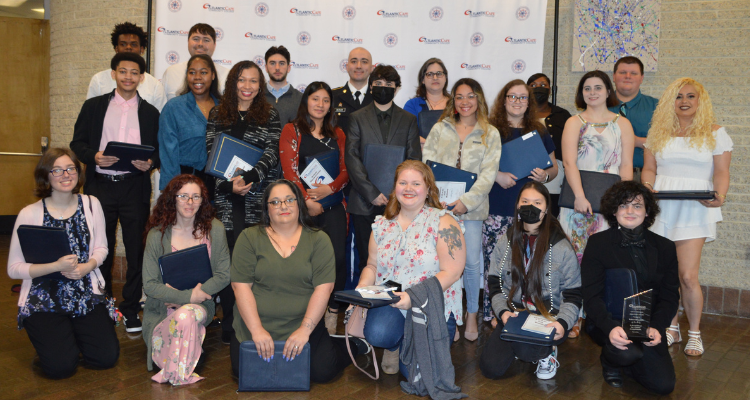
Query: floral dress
point(410, 257)
point(598, 152)
point(70, 297)
point(176, 343)
point(494, 227)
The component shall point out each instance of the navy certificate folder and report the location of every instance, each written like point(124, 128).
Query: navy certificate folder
point(277, 375)
point(127, 152)
point(43, 245)
point(224, 149)
point(354, 297)
point(380, 161)
point(426, 120)
point(446, 173)
point(619, 284)
point(512, 332)
point(186, 268)
point(685, 195)
point(329, 160)
point(521, 155)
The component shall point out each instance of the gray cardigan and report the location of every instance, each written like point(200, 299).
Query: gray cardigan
point(158, 293)
point(287, 105)
point(563, 275)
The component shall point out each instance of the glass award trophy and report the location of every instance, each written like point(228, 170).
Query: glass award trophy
point(636, 315)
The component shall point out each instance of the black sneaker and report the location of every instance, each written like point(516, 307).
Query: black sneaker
point(226, 337)
point(132, 323)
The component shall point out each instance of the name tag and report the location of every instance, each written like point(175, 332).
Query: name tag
point(339, 110)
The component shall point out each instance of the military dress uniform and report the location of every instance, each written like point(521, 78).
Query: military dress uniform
point(344, 104)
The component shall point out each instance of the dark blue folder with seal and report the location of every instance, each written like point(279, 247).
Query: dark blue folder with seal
point(521, 155)
point(329, 160)
point(426, 120)
point(619, 283)
point(127, 153)
point(446, 173)
point(224, 149)
point(43, 245)
point(381, 161)
point(513, 332)
point(186, 268)
point(277, 375)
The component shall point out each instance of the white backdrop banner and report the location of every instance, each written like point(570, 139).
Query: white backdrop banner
point(492, 41)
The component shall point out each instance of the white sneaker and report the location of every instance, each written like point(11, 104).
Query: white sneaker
point(547, 367)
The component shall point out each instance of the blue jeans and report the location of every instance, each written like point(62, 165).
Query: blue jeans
point(474, 263)
point(384, 327)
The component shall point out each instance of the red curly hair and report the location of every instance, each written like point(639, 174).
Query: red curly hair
point(164, 214)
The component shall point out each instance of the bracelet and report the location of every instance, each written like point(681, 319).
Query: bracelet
point(648, 183)
point(546, 179)
point(722, 196)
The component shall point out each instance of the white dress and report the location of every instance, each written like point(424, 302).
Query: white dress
point(681, 167)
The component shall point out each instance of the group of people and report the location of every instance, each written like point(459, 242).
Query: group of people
point(277, 253)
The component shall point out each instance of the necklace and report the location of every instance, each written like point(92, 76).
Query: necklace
point(242, 117)
point(433, 106)
point(62, 212)
point(203, 110)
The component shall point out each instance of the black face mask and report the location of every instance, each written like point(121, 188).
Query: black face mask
point(383, 94)
point(529, 214)
point(541, 94)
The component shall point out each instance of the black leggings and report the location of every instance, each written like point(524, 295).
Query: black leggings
point(498, 354)
point(328, 356)
point(333, 223)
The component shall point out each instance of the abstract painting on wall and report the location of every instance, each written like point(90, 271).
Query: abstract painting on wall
point(607, 30)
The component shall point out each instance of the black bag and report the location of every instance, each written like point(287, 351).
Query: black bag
point(594, 185)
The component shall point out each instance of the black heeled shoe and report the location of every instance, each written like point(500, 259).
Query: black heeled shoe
point(613, 376)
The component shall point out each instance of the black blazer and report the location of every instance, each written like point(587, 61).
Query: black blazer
point(363, 130)
point(344, 104)
point(87, 135)
point(603, 251)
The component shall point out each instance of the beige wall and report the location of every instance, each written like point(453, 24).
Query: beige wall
point(707, 40)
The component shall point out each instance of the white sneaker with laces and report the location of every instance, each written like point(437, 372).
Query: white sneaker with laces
point(547, 367)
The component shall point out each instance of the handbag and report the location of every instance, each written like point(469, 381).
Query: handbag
point(594, 185)
point(355, 327)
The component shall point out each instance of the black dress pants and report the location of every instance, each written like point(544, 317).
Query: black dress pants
point(328, 356)
point(651, 366)
point(333, 223)
point(124, 201)
point(362, 233)
point(499, 354)
point(59, 339)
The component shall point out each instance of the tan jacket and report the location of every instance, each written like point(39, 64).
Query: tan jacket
point(484, 160)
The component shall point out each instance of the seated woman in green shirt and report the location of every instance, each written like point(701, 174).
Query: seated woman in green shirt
point(283, 270)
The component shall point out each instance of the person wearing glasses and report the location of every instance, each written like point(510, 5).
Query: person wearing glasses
point(65, 318)
point(283, 272)
point(432, 92)
point(514, 115)
point(465, 139)
point(175, 321)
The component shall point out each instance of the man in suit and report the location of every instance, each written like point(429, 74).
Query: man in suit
point(354, 94)
point(381, 122)
point(121, 116)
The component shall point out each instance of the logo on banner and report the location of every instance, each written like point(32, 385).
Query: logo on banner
point(219, 33)
point(209, 7)
point(475, 14)
point(519, 41)
point(337, 38)
point(471, 67)
point(223, 61)
point(304, 66)
point(303, 38)
point(476, 39)
point(343, 64)
point(349, 12)
point(390, 40)
point(259, 61)
point(426, 40)
point(174, 5)
point(172, 57)
point(171, 32)
point(436, 13)
point(522, 13)
point(269, 38)
point(518, 66)
point(307, 13)
point(393, 14)
point(261, 9)
point(397, 67)
point(301, 88)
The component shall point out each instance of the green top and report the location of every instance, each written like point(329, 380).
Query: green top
point(282, 286)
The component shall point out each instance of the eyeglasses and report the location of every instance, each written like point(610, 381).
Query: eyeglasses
point(470, 97)
point(59, 171)
point(514, 98)
point(438, 74)
point(290, 202)
point(183, 198)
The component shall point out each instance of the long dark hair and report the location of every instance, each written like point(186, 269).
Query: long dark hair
point(482, 109)
point(421, 89)
point(535, 278)
point(213, 90)
point(611, 95)
point(304, 216)
point(304, 123)
point(499, 115)
point(164, 214)
point(259, 111)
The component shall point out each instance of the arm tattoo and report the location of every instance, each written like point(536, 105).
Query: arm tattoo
point(308, 323)
point(452, 237)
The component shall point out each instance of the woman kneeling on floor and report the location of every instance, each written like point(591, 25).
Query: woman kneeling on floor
point(546, 282)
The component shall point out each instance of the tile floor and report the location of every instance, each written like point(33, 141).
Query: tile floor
point(721, 373)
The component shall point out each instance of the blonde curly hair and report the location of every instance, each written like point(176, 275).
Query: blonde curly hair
point(664, 123)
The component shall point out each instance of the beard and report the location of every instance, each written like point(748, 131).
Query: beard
point(283, 78)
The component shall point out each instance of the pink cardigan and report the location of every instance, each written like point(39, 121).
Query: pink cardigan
point(33, 214)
